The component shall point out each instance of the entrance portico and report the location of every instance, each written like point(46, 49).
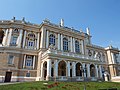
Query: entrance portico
point(66, 70)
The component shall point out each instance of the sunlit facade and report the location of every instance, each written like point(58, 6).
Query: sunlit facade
point(47, 51)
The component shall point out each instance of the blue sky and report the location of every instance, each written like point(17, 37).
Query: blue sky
point(101, 16)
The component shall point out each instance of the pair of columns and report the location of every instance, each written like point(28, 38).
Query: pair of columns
point(8, 35)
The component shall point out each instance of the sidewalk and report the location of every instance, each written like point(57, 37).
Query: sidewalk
point(6, 83)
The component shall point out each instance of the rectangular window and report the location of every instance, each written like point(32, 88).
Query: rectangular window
point(29, 61)
point(14, 40)
point(10, 59)
point(27, 74)
point(30, 43)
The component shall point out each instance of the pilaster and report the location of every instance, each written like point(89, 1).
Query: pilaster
point(71, 44)
point(5, 37)
point(56, 68)
point(38, 40)
point(24, 39)
point(88, 70)
point(61, 42)
point(68, 67)
point(33, 62)
point(20, 38)
point(73, 69)
point(47, 39)
point(9, 37)
point(43, 35)
point(48, 68)
point(96, 69)
point(58, 41)
point(100, 70)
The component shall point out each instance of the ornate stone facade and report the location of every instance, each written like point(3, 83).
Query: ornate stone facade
point(33, 52)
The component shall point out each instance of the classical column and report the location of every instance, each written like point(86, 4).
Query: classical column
point(113, 58)
point(20, 38)
point(101, 56)
point(68, 67)
point(9, 37)
point(34, 62)
point(73, 69)
point(96, 69)
point(88, 70)
point(24, 39)
point(61, 42)
point(43, 35)
point(56, 68)
point(42, 70)
point(58, 41)
point(5, 37)
point(71, 44)
point(100, 70)
point(38, 40)
point(84, 69)
point(24, 61)
point(48, 68)
point(47, 39)
point(82, 46)
point(35, 45)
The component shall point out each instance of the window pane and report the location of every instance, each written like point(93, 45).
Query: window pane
point(65, 44)
point(28, 74)
point(77, 47)
point(14, 40)
point(10, 59)
point(29, 61)
point(52, 39)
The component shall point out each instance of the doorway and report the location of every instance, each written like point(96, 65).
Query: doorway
point(8, 76)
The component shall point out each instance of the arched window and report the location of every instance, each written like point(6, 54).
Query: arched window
point(77, 47)
point(31, 40)
point(52, 39)
point(14, 37)
point(92, 70)
point(45, 70)
point(65, 44)
point(78, 69)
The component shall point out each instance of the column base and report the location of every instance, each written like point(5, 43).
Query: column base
point(38, 78)
point(48, 78)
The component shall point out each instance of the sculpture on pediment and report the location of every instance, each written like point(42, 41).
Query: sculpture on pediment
point(52, 47)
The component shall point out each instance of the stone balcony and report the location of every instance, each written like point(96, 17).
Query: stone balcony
point(68, 54)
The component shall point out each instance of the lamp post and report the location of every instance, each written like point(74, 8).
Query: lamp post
point(84, 73)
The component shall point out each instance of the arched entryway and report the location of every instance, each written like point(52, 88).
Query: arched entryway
point(106, 76)
point(70, 69)
point(92, 70)
point(78, 69)
point(1, 36)
point(45, 70)
point(62, 68)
